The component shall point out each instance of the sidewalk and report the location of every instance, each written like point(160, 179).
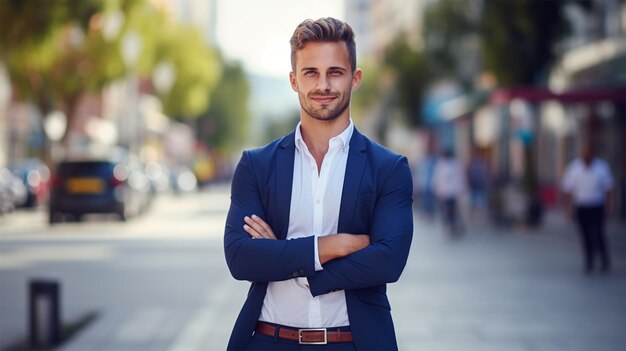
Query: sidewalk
point(509, 290)
point(556, 224)
point(489, 290)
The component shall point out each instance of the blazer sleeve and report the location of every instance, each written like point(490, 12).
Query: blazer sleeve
point(391, 233)
point(260, 260)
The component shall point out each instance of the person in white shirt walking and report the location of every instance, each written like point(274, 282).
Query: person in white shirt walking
point(449, 186)
point(587, 184)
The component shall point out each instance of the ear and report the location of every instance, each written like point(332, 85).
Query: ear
point(293, 81)
point(356, 79)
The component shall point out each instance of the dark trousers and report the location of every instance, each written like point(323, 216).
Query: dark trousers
point(260, 342)
point(450, 214)
point(591, 224)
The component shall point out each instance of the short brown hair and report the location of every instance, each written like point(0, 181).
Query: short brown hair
point(323, 30)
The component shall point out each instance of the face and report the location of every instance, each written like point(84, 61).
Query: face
point(324, 80)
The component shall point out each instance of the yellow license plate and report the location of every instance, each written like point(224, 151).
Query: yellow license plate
point(85, 185)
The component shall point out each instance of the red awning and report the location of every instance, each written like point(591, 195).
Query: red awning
point(502, 96)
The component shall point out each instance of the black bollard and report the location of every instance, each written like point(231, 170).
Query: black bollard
point(45, 313)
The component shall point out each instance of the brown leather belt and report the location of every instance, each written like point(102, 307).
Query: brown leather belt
point(305, 336)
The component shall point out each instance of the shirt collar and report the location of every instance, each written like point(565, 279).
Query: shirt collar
point(343, 139)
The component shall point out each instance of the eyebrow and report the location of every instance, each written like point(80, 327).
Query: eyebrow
point(329, 68)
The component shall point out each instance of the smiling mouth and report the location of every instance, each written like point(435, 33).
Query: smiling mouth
point(323, 99)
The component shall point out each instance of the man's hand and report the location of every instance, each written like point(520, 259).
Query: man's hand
point(257, 228)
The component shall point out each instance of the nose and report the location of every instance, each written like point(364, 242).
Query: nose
point(323, 83)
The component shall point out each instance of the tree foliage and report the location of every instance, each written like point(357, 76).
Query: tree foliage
point(411, 77)
point(223, 124)
point(34, 40)
point(449, 31)
point(58, 50)
point(368, 92)
point(25, 23)
point(514, 40)
point(197, 70)
point(518, 39)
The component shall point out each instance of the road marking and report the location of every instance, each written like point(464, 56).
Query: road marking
point(142, 326)
point(31, 255)
point(196, 332)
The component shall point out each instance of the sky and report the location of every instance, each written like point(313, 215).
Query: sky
point(257, 33)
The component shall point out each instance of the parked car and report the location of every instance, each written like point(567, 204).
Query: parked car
point(97, 186)
point(35, 176)
point(13, 193)
point(183, 180)
point(159, 175)
point(6, 203)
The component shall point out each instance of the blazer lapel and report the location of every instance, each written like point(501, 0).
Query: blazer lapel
point(284, 181)
point(352, 180)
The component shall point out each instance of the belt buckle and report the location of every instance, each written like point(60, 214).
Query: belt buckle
point(300, 331)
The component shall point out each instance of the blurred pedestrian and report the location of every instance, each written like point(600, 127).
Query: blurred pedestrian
point(587, 184)
point(305, 208)
point(449, 186)
point(477, 181)
point(426, 199)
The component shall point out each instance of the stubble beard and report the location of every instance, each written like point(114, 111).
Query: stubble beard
point(323, 113)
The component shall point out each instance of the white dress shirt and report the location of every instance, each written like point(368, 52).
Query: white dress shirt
point(448, 178)
point(588, 184)
point(315, 202)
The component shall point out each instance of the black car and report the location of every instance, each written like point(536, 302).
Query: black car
point(97, 186)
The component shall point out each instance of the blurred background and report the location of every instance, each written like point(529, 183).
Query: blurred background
point(121, 122)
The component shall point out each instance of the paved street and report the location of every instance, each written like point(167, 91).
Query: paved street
point(508, 291)
point(159, 282)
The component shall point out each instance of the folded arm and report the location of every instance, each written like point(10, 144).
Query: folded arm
point(330, 247)
point(260, 260)
point(249, 257)
point(391, 233)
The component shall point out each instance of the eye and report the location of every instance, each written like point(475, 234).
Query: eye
point(336, 73)
point(310, 73)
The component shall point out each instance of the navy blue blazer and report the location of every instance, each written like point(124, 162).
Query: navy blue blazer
point(376, 200)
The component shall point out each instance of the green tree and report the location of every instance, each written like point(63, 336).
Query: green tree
point(411, 78)
point(519, 37)
point(224, 124)
point(58, 50)
point(33, 36)
point(450, 34)
point(197, 67)
point(369, 91)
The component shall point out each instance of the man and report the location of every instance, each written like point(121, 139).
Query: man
point(587, 184)
point(449, 186)
point(424, 184)
point(320, 220)
point(477, 182)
